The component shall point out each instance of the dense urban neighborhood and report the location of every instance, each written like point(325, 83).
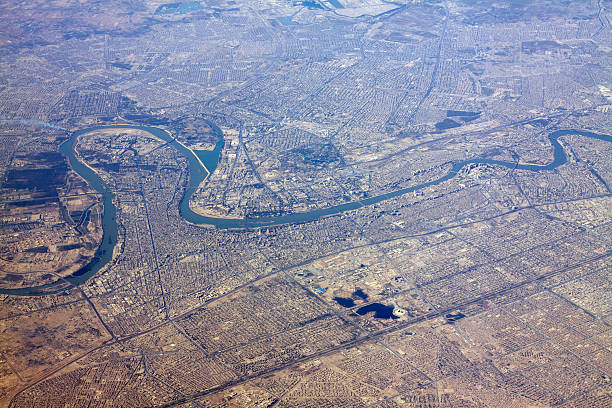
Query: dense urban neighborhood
point(292, 204)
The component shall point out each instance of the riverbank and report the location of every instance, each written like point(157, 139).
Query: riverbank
point(200, 169)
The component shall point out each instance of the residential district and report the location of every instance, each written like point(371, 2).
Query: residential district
point(291, 204)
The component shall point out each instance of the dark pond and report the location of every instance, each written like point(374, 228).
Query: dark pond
point(360, 294)
point(461, 113)
point(345, 302)
point(453, 317)
point(380, 311)
point(447, 124)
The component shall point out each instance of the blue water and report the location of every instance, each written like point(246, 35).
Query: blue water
point(210, 159)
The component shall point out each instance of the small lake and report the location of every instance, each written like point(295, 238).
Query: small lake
point(380, 311)
point(344, 302)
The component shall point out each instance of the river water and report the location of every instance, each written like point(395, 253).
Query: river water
point(197, 174)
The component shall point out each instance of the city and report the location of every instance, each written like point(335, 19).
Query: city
point(326, 203)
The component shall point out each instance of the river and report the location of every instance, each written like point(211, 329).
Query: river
point(198, 173)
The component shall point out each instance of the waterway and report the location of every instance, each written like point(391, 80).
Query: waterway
point(203, 163)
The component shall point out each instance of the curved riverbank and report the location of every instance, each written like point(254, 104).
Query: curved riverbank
point(559, 158)
point(202, 165)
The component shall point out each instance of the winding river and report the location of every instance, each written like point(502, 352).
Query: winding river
point(202, 163)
